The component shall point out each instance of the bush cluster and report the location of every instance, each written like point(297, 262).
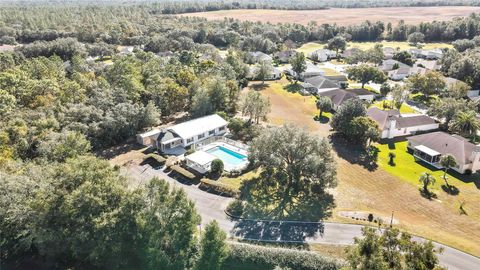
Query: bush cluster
point(270, 257)
point(219, 187)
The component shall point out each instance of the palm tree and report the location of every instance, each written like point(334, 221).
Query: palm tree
point(427, 179)
point(447, 161)
point(466, 123)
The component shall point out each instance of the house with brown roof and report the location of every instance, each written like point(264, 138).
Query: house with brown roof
point(339, 96)
point(392, 124)
point(431, 147)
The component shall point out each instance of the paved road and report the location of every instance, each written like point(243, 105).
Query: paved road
point(211, 207)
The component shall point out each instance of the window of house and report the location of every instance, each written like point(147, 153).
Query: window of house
point(189, 140)
point(211, 132)
point(201, 136)
point(221, 128)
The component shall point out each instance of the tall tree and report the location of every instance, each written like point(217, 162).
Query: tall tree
point(342, 119)
point(299, 65)
point(255, 106)
point(364, 74)
point(415, 38)
point(263, 71)
point(400, 95)
point(213, 249)
point(427, 179)
point(465, 122)
point(432, 83)
point(324, 104)
point(337, 43)
point(295, 166)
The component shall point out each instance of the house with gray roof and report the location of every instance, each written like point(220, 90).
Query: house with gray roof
point(284, 56)
point(321, 83)
point(390, 64)
point(392, 124)
point(431, 147)
point(257, 57)
point(340, 96)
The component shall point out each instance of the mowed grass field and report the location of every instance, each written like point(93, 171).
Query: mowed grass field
point(312, 46)
point(383, 190)
point(342, 16)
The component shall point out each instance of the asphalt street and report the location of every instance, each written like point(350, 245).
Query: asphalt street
point(211, 207)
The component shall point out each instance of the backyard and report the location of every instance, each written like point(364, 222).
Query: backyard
point(404, 109)
point(385, 189)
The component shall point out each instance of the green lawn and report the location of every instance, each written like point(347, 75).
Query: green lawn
point(235, 182)
point(310, 47)
point(396, 44)
point(404, 109)
point(407, 169)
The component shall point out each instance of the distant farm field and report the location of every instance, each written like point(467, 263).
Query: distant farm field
point(342, 16)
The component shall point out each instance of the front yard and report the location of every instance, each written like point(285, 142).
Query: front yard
point(405, 109)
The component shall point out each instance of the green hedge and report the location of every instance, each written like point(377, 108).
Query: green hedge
point(219, 187)
point(157, 157)
point(183, 172)
point(265, 258)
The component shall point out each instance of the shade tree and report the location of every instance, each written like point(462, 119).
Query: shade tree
point(365, 74)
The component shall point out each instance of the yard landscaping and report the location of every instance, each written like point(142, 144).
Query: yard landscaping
point(405, 109)
point(383, 190)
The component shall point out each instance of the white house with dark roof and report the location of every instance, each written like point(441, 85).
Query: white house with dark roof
point(431, 147)
point(390, 64)
point(173, 140)
point(392, 124)
point(340, 96)
point(257, 57)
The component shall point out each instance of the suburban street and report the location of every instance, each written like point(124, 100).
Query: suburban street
point(211, 207)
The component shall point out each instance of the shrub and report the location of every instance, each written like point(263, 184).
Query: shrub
point(269, 257)
point(219, 187)
point(183, 172)
point(370, 217)
point(235, 208)
point(391, 156)
point(157, 157)
point(216, 168)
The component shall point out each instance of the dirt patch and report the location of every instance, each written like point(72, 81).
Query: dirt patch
point(342, 16)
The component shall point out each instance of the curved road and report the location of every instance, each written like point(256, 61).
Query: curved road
point(211, 207)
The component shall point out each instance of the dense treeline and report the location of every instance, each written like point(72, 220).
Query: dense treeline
point(184, 6)
point(101, 26)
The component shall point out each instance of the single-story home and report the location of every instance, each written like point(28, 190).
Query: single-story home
point(402, 73)
point(284, 56)
point(431, 147)
point(175, 139)
point(148, 138)
point(426, 54)
point(274, 74)
point(392, 124)
point(390, 64)
point(321, 83)
point(257, 57)
point(311, 71)
point(322, 55)
point(339, 96)
point(200, 161)
point(337, 78)
point(428, 64)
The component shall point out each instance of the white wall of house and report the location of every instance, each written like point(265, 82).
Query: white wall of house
point(368, 98)
point(397, 76)
point(199, 168)
point(393, 132)
point(202, 136)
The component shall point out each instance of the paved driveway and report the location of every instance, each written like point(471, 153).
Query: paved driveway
point(211, 207)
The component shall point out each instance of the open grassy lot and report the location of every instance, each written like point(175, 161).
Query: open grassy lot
point(402, 45)
point(381, 190)
point(235, 182)
point(342, 16)
point(404, 109)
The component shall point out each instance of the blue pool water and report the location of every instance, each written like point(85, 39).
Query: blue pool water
point(228, 156)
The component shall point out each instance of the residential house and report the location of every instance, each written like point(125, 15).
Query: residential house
point(390, 64)
point(392, 124)
point(339, 96)
point(402, 73)
point(428, 64)
point(284, 56)
point(432, 54)
point(431, 147)
point(320, 83)
point(175, 139)
point(311, 71)
point(350, 52)
point(274, 74)
point(472, 94)
point(337, 78)
point(389, 52)
point(322, 55)
point(257, 57)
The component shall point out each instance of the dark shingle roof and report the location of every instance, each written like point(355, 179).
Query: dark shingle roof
point(165, 135)
point(338, 96)
point(445, 143)
point(360, 91)
point(381, 116)
point(413, 121)
point(321, 82)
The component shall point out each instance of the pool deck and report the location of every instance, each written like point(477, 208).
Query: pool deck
point(228, 167)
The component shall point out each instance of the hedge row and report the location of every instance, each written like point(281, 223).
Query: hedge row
point(183, 172)
point(157, 157)
point(260, 257)
point(219, 187)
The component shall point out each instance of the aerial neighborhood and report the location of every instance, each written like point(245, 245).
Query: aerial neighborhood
point(239, 135)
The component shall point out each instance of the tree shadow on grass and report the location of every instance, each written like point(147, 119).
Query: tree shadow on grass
point(452, 190)
point(267, 212)
point(427, 194)
point(323, 119)
point(259, 86)
point(355, 153)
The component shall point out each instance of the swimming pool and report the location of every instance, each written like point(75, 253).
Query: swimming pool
point(230, 158)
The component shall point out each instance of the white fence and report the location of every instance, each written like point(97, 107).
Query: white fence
point(213, 139)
